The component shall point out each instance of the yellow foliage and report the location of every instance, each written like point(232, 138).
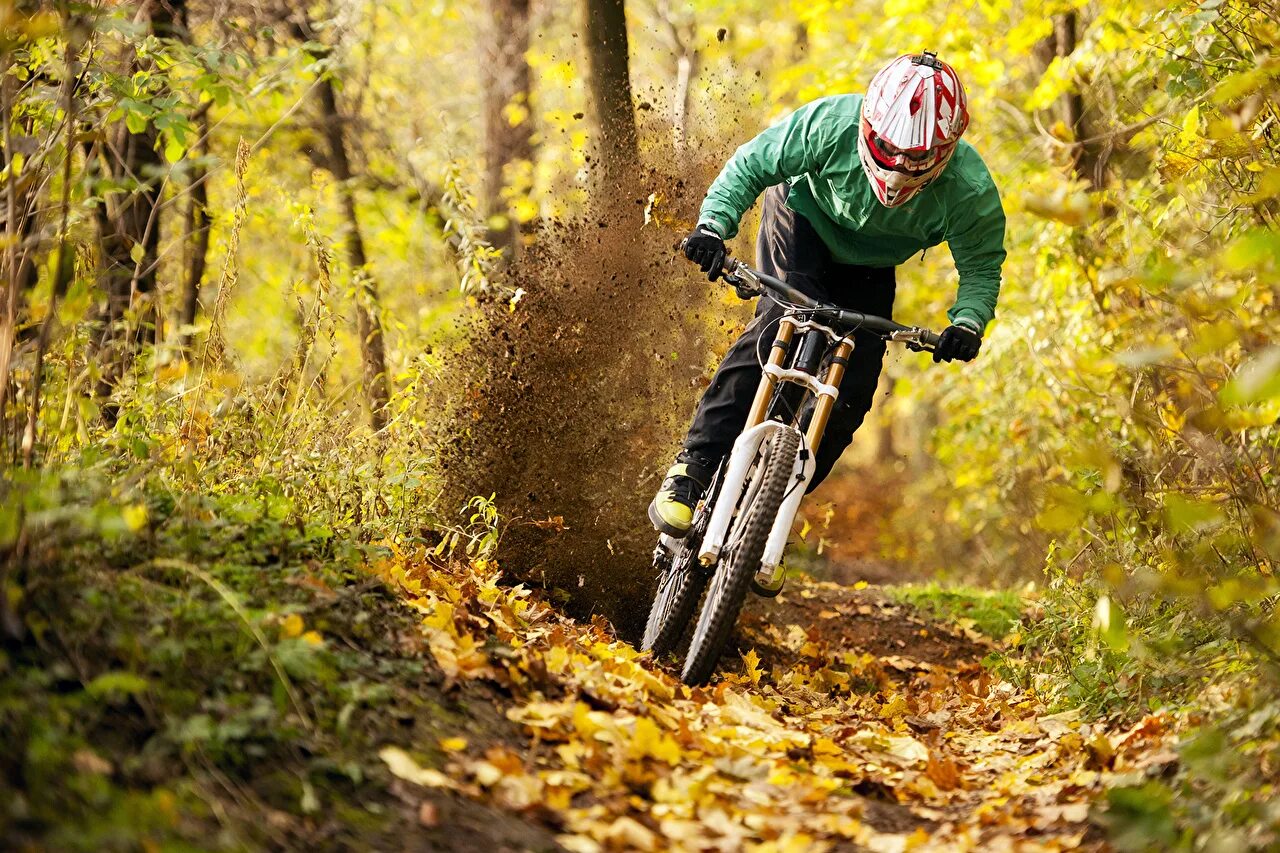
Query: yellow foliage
point(650, 742)
point(401, 764)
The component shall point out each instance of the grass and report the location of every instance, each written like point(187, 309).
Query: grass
point(994, 612)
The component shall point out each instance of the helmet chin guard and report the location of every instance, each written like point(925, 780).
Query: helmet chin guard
point(914, 113)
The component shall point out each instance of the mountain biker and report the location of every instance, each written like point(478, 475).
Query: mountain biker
point(853, 186)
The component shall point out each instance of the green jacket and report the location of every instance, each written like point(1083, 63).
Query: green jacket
point(815, 149)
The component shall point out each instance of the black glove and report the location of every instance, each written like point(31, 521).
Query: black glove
point(706, 249)
point(957, 343)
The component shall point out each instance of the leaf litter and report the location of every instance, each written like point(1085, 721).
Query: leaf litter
point(812, 739)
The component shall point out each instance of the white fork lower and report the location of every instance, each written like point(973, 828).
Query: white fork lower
point(744, 452)
point(801, 474)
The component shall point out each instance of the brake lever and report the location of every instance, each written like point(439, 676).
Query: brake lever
point(740, 286)
point(910, 338)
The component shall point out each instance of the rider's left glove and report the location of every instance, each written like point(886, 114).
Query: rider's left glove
point(957, 343)
point(706, 249)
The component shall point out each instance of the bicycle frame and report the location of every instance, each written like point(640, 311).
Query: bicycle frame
point(740, 529)
point(745, 448)
point(773, 376)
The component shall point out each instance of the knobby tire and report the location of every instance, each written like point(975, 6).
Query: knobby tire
point(679, 589)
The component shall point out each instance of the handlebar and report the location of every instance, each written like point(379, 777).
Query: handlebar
point(739, 274)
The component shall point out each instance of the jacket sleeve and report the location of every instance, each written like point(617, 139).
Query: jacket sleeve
point(975, 233)
point(797, 144)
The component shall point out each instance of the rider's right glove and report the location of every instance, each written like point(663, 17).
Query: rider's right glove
point(706, 249)
point(957, 343)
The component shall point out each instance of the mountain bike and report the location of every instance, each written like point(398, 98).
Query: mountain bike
point(740, 527)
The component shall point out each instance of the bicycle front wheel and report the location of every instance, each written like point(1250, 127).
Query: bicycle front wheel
point(762, 498)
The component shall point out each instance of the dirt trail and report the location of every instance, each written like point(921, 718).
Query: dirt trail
point(852, 618)
point(842, 721)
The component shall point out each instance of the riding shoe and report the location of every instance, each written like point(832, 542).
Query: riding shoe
point(671, 510)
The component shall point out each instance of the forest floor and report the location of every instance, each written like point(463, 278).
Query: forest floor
point(843, 720)
point(258, 686)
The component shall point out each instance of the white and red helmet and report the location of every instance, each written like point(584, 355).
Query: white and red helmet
point(912, 117)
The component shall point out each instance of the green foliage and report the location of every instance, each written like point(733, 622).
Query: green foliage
point(483, 530)
point(1084, 649)
point(1139, 818)
point(1219, 798)
point(1122, 415)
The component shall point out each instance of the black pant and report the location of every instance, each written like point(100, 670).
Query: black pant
point(788, 248)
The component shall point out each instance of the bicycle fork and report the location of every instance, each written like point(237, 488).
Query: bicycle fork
point(757, 430)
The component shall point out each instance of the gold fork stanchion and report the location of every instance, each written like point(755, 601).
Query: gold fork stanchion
point(781, 344)
point(822, 409)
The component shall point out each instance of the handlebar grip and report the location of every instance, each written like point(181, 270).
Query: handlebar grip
point(930, 339)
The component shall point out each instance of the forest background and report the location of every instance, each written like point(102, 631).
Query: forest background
point(299, 284)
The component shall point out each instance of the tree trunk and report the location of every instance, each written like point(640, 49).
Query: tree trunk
point(609, 103)
point(199, 222)
point(507, 121)
point(800, 47)
point(127, 219)
point(372, 348)
point(682, 35)
point(1088, 157)
point(686, 69)
point(63, 268)
point(17, 268)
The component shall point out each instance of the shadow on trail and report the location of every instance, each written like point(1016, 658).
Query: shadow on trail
point(847, 619)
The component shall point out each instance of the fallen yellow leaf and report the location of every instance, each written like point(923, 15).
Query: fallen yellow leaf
point(401, 764)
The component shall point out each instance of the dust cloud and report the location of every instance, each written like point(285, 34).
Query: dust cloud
point(571, 406)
